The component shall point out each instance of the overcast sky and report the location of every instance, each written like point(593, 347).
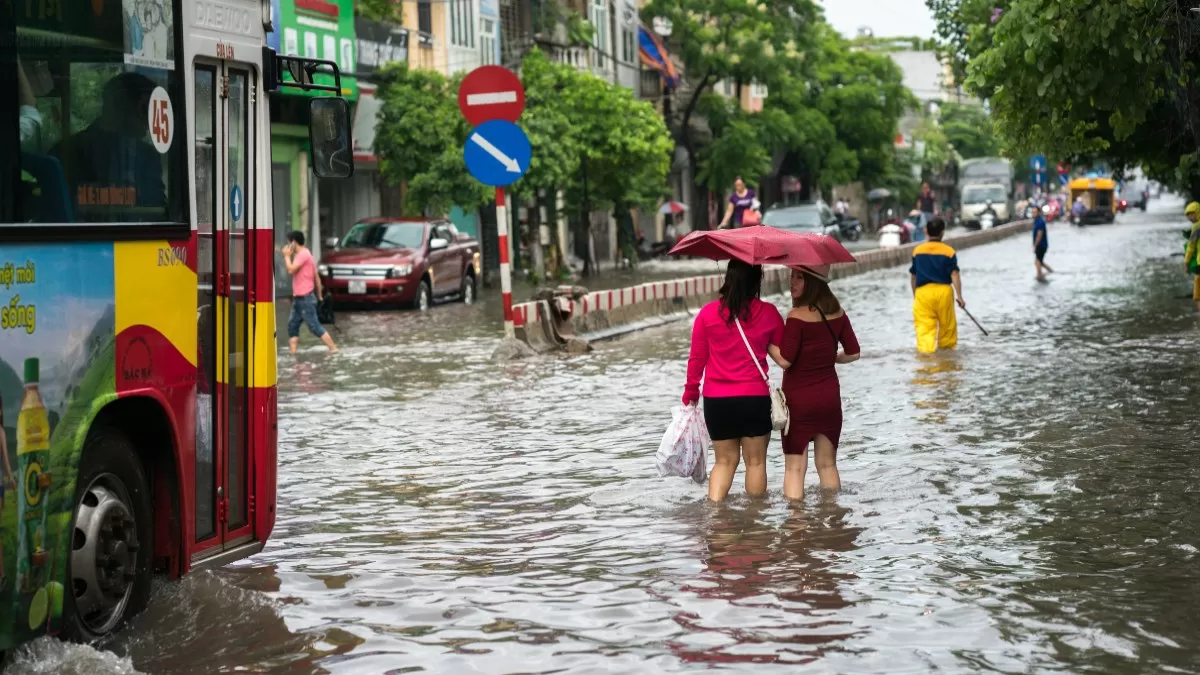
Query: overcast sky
point(887, 18)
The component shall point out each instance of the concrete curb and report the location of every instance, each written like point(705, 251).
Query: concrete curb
point(603, 315)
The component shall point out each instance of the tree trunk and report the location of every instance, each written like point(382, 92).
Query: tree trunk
point(589, 258)
point(690, 149)
point(535, 237)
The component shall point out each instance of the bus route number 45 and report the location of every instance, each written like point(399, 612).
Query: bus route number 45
point(161, 131)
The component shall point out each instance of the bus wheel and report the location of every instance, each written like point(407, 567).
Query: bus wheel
point(111, 538)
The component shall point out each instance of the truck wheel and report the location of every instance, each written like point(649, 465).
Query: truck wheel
point(468, 289)
point(112, 543)
point(424, 297)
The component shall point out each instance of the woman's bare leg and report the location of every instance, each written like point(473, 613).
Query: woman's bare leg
point(794, 469)
point(721, 477)
point(825, 456)
point(754, 452)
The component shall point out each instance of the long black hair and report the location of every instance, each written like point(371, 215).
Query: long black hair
point(743, 283)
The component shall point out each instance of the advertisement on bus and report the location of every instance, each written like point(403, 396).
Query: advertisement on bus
point(57, 341)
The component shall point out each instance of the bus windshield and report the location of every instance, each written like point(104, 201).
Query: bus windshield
point(97, 115)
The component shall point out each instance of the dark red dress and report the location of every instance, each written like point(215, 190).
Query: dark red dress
point(811, 385)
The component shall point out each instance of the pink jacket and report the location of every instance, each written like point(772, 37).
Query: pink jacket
point(719, 355)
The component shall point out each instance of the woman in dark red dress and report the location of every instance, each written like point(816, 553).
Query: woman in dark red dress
point(809, 353)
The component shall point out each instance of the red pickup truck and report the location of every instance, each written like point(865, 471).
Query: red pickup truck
point(398, 261)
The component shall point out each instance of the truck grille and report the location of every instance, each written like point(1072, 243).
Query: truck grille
point(359, 271)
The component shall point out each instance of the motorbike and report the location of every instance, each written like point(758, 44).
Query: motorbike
point(987, 219)
point(851, 228)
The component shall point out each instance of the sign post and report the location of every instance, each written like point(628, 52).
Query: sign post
point(497, 152)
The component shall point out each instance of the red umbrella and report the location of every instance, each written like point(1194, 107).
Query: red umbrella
point(764, 246)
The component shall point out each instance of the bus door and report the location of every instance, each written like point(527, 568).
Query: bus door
point(225, 164)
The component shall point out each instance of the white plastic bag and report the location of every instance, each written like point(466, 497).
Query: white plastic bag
point(684, 448)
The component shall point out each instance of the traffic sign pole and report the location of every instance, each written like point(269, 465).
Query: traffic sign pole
point(497, 152)
point(505, 268)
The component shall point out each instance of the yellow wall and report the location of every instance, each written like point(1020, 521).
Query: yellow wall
point(434, 58)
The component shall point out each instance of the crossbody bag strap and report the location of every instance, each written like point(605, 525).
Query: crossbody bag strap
point(836, 341)
point(751, 350)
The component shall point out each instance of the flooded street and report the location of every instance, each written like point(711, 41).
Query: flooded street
point(1025, 504)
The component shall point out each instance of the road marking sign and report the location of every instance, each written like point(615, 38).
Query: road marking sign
point(497, 153)
point(491, 93)
point(235, 203)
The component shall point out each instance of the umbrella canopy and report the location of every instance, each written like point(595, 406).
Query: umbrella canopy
point(764, 246)
point(879, 193)
point(672, 208)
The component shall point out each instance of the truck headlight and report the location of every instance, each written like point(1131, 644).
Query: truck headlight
point(399, 271)
point(323, 270)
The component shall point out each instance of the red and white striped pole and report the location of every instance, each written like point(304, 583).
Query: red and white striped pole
point(505, 268)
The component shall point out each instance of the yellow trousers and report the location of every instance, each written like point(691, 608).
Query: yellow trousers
point(934, 318)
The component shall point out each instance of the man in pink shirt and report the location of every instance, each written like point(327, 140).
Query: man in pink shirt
point(306, 291)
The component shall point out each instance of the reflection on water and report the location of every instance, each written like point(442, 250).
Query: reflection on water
point(1025, 504)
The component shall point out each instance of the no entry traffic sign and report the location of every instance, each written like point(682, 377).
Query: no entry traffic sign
point(491, 93)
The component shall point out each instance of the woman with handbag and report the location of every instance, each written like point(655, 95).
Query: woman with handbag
point(730, 340)
point(809, 353)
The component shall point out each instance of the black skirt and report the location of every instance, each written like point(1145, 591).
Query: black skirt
point(733, 417)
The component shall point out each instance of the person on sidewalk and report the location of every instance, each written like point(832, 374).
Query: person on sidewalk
point(306, 291)
point(815, 327)
point(1191, 254)
point(740, 201)
point(737, 401)
point(1041, 244)
point(936, 285)
point(926, 204)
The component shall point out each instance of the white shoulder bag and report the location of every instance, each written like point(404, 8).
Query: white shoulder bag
point(780, 418)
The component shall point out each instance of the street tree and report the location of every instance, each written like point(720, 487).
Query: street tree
point(737, 41)
point(970, 130)
point(1114, 82)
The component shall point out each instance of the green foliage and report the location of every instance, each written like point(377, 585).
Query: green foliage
point(418, 139)
point(937, 150)
point(574, 121)
point(970, 130)
point(387, 11)
point(1112, 81)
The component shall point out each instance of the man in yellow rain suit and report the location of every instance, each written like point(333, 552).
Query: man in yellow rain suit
point(936, 284)
point(1191, 254)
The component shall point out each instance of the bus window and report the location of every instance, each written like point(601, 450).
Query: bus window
point(100, 138)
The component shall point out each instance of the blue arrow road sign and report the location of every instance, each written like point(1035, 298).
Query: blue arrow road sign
point(497, 153)
point(1039, 178)
point(235, 203)
point(1062, 179)
point(1037, 162)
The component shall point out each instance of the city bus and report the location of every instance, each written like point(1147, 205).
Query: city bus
point(137, 320)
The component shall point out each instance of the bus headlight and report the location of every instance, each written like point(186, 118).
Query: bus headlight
point(399, 271)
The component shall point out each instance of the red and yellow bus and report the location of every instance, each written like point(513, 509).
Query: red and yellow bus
point(137, 320)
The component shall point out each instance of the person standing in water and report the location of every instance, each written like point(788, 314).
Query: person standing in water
point(1041, 244)
point(809, 353)
point(1191, 254)
point(730, 341)
point(740, 201)
point(936, 285)
point(306, 293)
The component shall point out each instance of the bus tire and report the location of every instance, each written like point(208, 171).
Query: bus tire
point(112, 546)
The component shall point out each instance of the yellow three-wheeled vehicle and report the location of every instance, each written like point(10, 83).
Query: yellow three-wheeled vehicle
point(1099, 200)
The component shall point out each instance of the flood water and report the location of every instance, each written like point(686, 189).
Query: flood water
point(1025, 504)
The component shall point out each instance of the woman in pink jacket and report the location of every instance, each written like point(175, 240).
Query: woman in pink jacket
point(737, 402)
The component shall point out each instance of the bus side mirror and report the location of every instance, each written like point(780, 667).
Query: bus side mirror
point(330, 149)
